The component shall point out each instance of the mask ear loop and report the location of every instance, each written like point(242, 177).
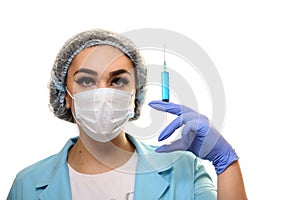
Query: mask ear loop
point(131, 94)
point(69, 94)
point(73, 99)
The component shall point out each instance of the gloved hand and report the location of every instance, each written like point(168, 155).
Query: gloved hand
point(197, 136)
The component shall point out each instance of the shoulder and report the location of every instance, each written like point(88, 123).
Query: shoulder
point(28, 180)
point(37, 169)
point(178, 157)
point(38, 175)
point(158, 160)
point(44, 167)
point(179, 160)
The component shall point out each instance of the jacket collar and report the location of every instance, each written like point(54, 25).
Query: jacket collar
point(150, 181)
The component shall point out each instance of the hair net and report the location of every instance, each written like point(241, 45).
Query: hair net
point(74, 46)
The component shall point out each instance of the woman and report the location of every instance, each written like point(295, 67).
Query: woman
point(98, 82)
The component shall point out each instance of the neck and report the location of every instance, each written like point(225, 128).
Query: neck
point(91, 157)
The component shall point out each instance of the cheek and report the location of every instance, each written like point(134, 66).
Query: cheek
point(130, 87)
point(133, 87)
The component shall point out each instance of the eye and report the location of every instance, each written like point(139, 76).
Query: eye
point(86, 81)
point(119, 82)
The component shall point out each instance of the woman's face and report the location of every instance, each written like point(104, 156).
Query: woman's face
point(101, 66)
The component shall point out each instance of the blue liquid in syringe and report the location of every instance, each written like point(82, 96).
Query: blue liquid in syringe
point(165, 84)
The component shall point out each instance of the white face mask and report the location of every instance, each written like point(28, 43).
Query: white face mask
point(103, 112)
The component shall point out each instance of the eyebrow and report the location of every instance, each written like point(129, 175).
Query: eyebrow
point(118, 72)
point(85, 70)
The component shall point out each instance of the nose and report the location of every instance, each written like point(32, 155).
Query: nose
point(102, 84)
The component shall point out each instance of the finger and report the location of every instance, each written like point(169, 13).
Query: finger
point(174, 146)
point(169, 107)
point(175, 124)
point(194, 125)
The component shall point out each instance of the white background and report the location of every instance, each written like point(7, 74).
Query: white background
point(255, 46)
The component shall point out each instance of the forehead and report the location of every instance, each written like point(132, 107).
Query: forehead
point(101, 58)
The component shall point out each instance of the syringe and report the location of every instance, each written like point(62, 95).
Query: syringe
point(165, 89)
point(165, 80)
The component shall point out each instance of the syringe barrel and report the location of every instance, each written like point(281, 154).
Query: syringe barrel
point(165, 86)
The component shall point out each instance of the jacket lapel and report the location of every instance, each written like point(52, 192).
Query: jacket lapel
point(150, 186)
point(150, 182)
point(59, 187)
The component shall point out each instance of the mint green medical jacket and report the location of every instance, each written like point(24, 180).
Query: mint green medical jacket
point(177, 175)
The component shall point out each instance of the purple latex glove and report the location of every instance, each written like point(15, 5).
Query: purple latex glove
point(197, 136)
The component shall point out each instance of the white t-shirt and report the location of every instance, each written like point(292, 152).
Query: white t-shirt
point(117, 184)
